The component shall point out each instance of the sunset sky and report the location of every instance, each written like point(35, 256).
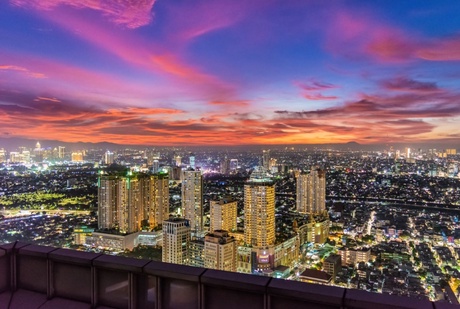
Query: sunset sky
point(229, 72)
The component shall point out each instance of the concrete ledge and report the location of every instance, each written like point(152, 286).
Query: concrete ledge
point(73, 257)
point(235, 281)
point(120, 263)
point(311, 293)
point(36, 250)
point(174, 271)
point(358, 299)
point(27, 299)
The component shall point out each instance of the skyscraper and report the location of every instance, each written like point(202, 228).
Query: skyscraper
point(259, 209)
point(192, 198)
point(126, 199)
point(176, 239)
point(119, 205)
point(266, 159)
point(61, 152)
point(157, 200)
point(311, 192)
point(192, 161)
point(223, 215)
point(109, 157)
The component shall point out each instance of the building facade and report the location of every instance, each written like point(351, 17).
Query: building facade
point(220, 251)
point(223, 215)
point(259, 210)
point(176, 241)
point(192, 198)
point(311, 192)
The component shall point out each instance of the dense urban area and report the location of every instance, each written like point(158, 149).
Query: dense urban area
point(392, 216)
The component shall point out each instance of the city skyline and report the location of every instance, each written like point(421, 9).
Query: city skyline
point(229, 73)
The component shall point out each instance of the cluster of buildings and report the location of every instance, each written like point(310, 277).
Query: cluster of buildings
point(132, 206)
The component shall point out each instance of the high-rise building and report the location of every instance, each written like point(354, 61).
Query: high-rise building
point(176, 239)
point(223, 215)
point(266, 159)
point(178, 160)
point(157, 199)
point(192, 161)
point(259, 209)
point(192, 198)
point(109, 157)
point(220, 251)
point(2, 155)
point(311, 192)
point(61, 152)
point(120, 202)
point(233, 165)
point(155, 166)
point(225, 166)
point(126, 201)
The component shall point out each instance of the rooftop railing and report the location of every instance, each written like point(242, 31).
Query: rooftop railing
point(33, 276)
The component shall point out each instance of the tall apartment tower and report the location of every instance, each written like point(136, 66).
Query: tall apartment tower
point(192, 198)
point(259, 209)
point(266, 159)
point(223, 215)
point(176, 239)
point(109, 157)
point(157, 199)
point(119, 203)
point(126, 199)
point(220, 251)
point(311, 192)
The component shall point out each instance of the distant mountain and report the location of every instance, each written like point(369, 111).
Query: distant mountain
point(13, 143)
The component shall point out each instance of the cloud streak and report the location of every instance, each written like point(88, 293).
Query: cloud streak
point(129, 13)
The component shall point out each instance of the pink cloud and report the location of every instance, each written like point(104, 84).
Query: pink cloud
point(441, 50)
point(129, 13)
point(409, 85)
point(314, 84)
point(22, 70)
point(319, 97)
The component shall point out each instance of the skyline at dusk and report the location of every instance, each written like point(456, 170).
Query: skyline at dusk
point(157, 72)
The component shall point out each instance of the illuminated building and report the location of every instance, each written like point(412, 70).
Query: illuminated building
point(176, 239)
point(311, 192)
point(157, 199)
point(125, 200)
point(266, 159)
point(233, 165)
point(2, 155)
point(192, 198)
point(316, 231)
point(61, 152)
point(259, 210)
point(220, 251)
point(223, 215)
point(77, 156)
point(244, 259)
point(196, 252)
point(109, 157)
point(352, 256)
point(225, 166)
point(119, 202)
point(178, 160)
point(192, 161)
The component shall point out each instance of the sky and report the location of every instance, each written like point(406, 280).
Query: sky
point(226, 72)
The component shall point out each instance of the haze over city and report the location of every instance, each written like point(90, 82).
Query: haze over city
point(230, 72)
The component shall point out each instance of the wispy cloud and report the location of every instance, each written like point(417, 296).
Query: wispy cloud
point(129, 13)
